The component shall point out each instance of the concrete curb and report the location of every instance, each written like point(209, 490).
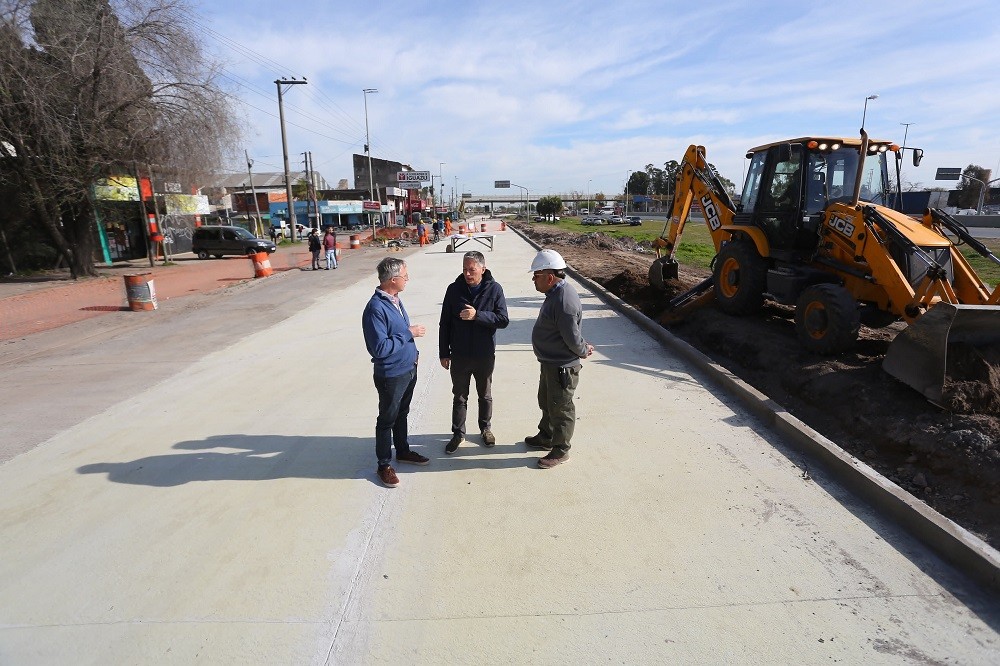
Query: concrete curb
point(948, 539)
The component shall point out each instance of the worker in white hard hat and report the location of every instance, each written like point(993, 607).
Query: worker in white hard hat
point(559, 346)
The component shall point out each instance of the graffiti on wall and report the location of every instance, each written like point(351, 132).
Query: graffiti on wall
point(116, 188)
point(186, 204)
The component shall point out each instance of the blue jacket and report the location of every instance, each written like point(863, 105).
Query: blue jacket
point(388, 337)
point(476, 338)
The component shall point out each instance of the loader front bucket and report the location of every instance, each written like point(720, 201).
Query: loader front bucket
point(945, 344)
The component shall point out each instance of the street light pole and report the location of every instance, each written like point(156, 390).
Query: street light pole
point(526, 204)
point(253, 192)
point(588, 195)
point(368, 151)
point(902, 151)
point(627, 176)
point(284, 151)
point(440, 187)
point(865, 112)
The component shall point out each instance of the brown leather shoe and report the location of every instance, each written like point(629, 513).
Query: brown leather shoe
point(387, 475)
point(550, 461)
point(452, 445)
point(488, 438)
point(411, 457)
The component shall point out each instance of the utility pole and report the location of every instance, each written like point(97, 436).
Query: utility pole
point(310, 199)
point(368, 151)
point(312, 190)
point(284, 150)
point(253, 192)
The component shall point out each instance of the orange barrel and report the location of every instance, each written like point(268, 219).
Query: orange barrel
point(461, 228)
point(140, 291)
point(482, 227)
point(261, 264)
point(355, 242)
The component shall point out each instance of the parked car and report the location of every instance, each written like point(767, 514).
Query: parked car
point(591, 221)
point(634, 220)
point(614, 219)
point(217, 240)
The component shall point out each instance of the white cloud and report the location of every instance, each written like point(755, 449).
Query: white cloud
point(552, 95)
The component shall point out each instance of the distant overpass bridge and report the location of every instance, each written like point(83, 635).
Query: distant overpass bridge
point(533, 198)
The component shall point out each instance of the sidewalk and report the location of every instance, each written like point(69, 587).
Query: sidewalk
point(32, 305)
point(186, 523)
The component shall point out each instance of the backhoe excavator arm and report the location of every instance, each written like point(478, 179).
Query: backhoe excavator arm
point(696, 179)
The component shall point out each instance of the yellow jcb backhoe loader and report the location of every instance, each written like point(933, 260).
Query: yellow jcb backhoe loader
point(814, 229)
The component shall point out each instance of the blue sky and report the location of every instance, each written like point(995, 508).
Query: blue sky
point(571, 96)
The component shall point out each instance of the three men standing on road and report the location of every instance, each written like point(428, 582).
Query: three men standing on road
point(474, 308)
point(559, 346)
point(389, 337)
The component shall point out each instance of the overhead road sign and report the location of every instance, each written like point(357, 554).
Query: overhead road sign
point(500, 184)
point(948, 174)
point(466, 195)
point(413, 176)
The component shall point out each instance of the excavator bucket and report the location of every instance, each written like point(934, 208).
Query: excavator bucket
point(947, 343)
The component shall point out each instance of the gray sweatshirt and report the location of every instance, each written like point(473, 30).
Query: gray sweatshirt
point(556, 337)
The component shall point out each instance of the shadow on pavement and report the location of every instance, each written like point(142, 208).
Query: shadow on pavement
point(266, 457)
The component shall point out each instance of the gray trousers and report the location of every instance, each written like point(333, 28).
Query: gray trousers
point(463, 369)
point(556, 402)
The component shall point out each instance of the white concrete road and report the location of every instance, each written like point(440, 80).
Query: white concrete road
point(211, 517)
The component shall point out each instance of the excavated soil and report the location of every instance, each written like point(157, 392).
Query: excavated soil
point(948, 457)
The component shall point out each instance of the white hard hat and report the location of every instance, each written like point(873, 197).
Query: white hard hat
point(547, 259)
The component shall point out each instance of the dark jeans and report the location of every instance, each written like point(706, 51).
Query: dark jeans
point(394, 395)
point(462, 372)
point(315, 254)
point(558, 410)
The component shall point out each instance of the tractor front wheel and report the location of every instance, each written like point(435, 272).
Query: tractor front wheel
point(827, 319)
point(740, 278)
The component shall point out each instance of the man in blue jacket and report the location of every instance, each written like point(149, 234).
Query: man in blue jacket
point(389, 337)
point(474, 308)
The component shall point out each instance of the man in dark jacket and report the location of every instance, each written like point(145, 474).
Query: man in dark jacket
point(474, 308)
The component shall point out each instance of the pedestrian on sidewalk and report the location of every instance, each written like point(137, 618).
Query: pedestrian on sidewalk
point(314, 247)
point(474, 308)
point(421, 233)
point(389, 337)
point(330, 245)
point(559, 346)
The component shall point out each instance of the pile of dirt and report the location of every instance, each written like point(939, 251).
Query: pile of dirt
point(949, 458)
point(978, 391)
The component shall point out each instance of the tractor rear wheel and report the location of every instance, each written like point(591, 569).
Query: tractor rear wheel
point(827, 319)
point(740, 278)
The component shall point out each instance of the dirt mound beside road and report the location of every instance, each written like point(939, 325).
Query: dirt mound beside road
point(948, 459)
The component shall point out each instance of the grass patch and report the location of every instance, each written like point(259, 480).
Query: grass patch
point(696, 248)
point(988, 271)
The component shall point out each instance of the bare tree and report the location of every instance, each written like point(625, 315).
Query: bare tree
point(89, 87)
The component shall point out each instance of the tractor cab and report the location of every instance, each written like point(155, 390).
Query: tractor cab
point(789, 185)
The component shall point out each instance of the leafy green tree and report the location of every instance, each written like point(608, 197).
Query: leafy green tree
point(638, 183)
point(549, 205)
